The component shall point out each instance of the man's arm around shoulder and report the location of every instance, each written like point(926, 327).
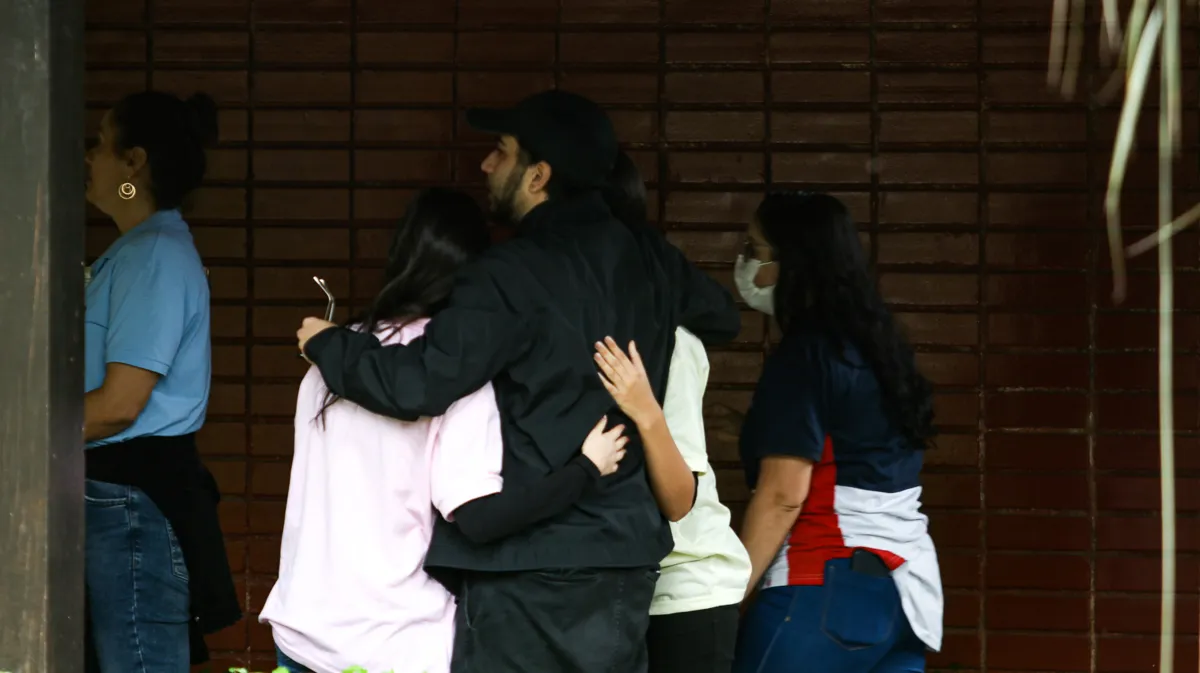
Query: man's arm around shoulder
point(464, 346)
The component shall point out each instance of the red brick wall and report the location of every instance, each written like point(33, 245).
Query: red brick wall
point(983, 213)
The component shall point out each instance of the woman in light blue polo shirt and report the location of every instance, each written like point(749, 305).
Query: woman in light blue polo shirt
point(157, 575)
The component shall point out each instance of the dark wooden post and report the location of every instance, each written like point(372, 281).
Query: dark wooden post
point(41, 336)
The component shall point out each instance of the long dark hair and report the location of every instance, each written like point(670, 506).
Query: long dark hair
point(824, 274)
point(441, 230)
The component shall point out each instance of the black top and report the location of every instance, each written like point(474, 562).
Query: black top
point(169, 471)
point(526, 316)
point(515, 508)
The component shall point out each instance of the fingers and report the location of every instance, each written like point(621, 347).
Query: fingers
point(612, 390)
point(617, 353)
point(605, 352)
point(609, 362)
point(615, 432)
point(636, 357)
point(617, 457)
point(309, 323)
point(606, 367)
point(614, 465)
point(621, 372)
point(599, 427)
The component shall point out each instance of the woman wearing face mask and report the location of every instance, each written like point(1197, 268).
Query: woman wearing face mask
point(156, 570)
point(846, 573)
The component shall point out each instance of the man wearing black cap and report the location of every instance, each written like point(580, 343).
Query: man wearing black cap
point(557, 571)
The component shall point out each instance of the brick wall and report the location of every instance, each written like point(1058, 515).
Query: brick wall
point(982, 211)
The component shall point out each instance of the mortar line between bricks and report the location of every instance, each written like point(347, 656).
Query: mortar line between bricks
point(982, 215)
point(148, 27)
point(662, 188)
point(352, 168)
point(697, 188)
point(642, 67)
point(1196, 344)
point(454, 102)
point(558, 31)
point(875, 121)
point(103, 101)
point(768, 98)
point(1092, 397)
point(1020, 28)
point(768, 140)
point(252, 101)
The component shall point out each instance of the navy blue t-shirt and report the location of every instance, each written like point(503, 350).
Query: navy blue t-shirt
point(819, 399)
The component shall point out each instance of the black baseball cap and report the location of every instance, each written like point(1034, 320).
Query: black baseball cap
point(566, 130)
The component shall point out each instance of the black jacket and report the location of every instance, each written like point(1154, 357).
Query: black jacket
point(526, 316)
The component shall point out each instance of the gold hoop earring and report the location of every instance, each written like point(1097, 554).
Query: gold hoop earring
point(127, 190)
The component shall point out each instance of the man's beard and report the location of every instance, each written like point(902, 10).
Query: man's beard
point(503, 204)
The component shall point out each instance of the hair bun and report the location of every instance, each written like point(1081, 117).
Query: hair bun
point(203, 113)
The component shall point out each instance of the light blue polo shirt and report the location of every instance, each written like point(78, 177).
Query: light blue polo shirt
point(148, 307)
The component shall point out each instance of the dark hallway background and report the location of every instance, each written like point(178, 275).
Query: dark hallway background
point(978, 191)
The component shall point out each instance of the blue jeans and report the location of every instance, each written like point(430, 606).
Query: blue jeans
point(851, 624)
point(137, 583)
point(284, 661)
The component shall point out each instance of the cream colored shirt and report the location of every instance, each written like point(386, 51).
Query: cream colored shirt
point(709, 567)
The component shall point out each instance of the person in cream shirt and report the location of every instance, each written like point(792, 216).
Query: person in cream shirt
point(695, 610)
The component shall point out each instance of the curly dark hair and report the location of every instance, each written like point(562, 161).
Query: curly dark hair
point(824, 274)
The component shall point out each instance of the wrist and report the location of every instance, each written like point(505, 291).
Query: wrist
point(651, 421)
point(312, 347)
point(593, 472)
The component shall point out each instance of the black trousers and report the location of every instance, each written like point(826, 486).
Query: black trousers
point(693, 642)
point(554, 621)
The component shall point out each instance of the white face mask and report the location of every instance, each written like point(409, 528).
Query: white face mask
point(760, 299)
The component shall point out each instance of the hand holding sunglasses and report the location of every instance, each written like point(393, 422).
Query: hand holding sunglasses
point(310, 327)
